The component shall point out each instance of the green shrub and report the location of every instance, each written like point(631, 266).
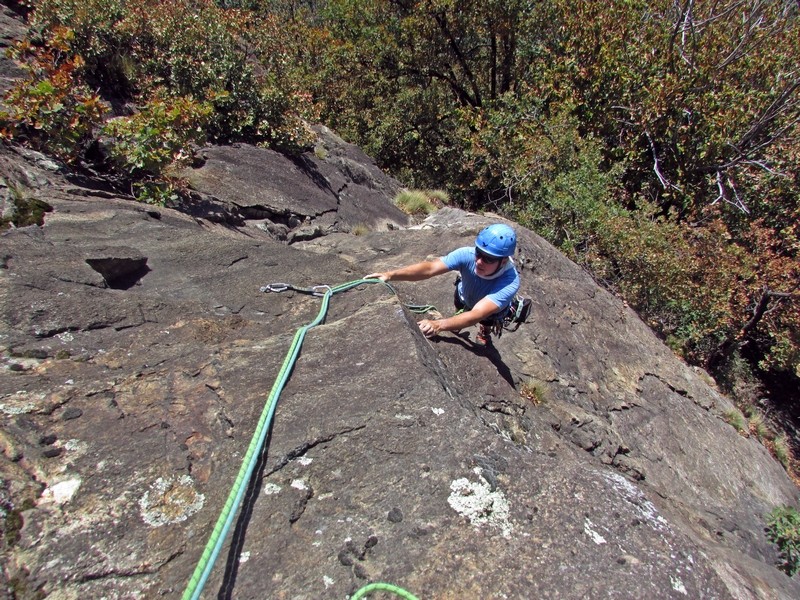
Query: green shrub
point(783, 529)
point(320, 151)
point(414, 202)
point(438, 197)
point(234, 63)
point(51, 108)
point(360, 229)
point(27, 211)
point(534, 392)
point(160, 134)
point(736, 419)
point(157, 192)
point(757, 427)
point(780, 448)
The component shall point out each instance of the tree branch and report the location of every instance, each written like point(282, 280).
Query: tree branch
point(734, 342)
point(441, 20)
point(665, 183)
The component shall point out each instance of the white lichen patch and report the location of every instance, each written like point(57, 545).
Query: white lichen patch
point(170, 500)
point(244, 557)
point(634, 496)
point(327, 581)
point(20, 403)
point(299, 484)
point(270, 489)
point(437, 411)
point(305, 460)
point(678, 586)
point(76, 448)
point(74, 445)
point(61, 492)
point(481, 505)
point(588, 529)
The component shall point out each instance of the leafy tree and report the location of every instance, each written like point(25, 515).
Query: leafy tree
point(52, 109)
point(654, 140)
point(132, 52)
point(423, 68)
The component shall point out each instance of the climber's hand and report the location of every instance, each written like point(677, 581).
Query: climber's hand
point(429, 328)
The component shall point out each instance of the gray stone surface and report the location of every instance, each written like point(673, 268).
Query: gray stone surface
point(126, 412)
point(12, 27)
point(335, 188)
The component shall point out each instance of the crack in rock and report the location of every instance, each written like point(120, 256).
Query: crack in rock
point(305, 447)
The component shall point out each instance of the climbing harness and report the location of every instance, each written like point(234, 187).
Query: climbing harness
point(517, 314)
point(214, 545)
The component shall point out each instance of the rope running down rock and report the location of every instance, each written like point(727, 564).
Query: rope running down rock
point(214, 545)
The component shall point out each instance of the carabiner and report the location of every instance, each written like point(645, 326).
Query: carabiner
point(276, 287)
point(315, 290)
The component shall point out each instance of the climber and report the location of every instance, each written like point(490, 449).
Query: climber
point(486, 286)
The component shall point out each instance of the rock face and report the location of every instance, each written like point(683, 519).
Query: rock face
point(578, 458)
point(335, 188)
point(11, 28)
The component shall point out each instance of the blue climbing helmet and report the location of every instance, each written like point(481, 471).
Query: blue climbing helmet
point(498, 240)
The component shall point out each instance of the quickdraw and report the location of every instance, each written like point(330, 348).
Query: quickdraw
point(321, 290)
point(317, 290)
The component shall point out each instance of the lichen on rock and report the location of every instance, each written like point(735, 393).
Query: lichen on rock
point(170, 500)
point(476, 501)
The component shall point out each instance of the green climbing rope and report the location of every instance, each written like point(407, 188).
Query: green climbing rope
point(420, 308)
point(319, 291)
point(383, 587)
point(214, 545)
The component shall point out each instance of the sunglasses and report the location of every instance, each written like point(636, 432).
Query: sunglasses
point(486, 258)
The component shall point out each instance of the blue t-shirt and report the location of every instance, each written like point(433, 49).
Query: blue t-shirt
point(499, 288)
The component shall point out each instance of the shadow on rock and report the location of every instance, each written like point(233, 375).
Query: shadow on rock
point(245, 515)
point(489, 352)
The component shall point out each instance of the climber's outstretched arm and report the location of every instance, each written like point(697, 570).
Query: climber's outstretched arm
point(415, 272)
